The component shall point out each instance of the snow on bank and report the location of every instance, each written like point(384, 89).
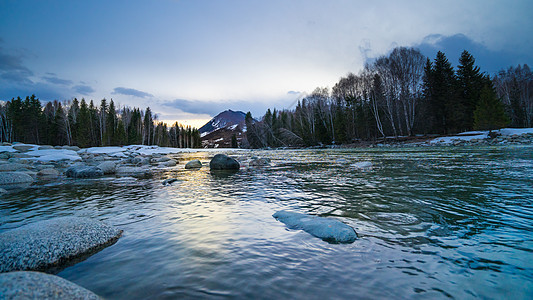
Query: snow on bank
point(480, 135)
point(53, 155)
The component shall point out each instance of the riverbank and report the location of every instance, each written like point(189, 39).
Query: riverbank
point(505, 136)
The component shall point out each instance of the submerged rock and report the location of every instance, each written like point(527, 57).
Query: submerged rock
point(193, 164)
point(49, 244)
point(362, 165)
point(169, 181)
point(36, 285)
point(223, 162)
point(259, 162)
point(11, 180)
point(84, 172)
point(330, 230)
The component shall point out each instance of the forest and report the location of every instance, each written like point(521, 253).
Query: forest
point(401, 94)
point(83, 124)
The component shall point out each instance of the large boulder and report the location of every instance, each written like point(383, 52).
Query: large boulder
point(108, 167)
point(329, 230)
point(223, 162)
point(35, 285)
point(193, 164)
point(51, 244)
point(133, 171)
point(84, 172)
point(12, 180)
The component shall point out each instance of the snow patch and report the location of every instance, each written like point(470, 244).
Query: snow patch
point(480, 135)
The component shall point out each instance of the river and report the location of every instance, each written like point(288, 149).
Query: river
point(435, 222)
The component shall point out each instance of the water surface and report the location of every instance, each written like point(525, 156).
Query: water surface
point(432, 223)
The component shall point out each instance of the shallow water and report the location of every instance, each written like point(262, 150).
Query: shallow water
point(432, 223)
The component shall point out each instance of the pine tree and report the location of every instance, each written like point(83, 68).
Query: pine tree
point(470, 83)
point(234, 141)
point(443, 101)
point(147, 127)
point(490, 113)
point(111, 124)
point(83, 136)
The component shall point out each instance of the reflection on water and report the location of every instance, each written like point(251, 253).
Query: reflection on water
point(433, 223)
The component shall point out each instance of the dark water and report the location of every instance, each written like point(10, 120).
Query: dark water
point(433, 223)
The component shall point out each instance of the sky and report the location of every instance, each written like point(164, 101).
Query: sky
point(190, 60)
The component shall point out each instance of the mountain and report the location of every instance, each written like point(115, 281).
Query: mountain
point(218, 132)
point(223, 120)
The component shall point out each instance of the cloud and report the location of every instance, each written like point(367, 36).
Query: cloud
point(12, 69)
point(490, 61)
point(256, 106)
point(83, 89)
point(131, 92)
point(54, 80)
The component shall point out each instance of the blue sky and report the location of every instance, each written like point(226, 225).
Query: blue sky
point(189, 60)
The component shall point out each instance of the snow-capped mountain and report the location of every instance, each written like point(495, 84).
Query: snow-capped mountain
point(224, 119)
point(219, 132)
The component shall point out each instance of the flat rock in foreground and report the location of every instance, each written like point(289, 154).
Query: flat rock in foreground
point(330, 230)
point(52, 243)
point(35, 285)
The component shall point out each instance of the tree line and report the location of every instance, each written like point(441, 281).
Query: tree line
point(401, 94)
point(84, 124)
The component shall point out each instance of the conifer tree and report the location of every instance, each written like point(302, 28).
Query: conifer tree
point(83, 137)
point(490, 113)
point(111, 124)
point(470, 83)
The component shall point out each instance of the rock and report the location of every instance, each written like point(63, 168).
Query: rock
point(9, 167)
point(23, 147)
point(108, 167)
point(223, 162)
point(45, 147)
point(35, 285)
point(329, 230)
point(73, 148)
point(49, 173)
point(260, 162)
point(362, 165)
point(160, 159)
point(12, 180)
point(132, 171)
point(140, 160)
point(169, 181)
point(84, 172)
point(52, 244)
point(193, 164)
point(169, 163)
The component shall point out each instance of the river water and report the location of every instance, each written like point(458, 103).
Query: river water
point(432, 223)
